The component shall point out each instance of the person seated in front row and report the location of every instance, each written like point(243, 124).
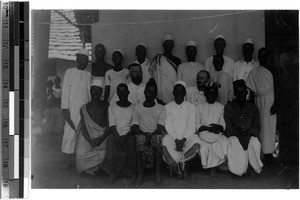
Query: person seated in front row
point(181, 144)
point(120, 157)
point(148, 124)
point(243, 127)
point(210, 125)
point(92, 131)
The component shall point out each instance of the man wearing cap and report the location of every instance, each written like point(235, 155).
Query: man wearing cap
point(242, 128)
point(115, 76)
point(181, 144)
point(92, 131)
point(141, 53)
point(219, 46)
point(242, 68)
point(195, 94)
point(210, 126)
point(260, 81)
point(164, 70)
point(75, 93)
point(187, 71)
point(136, 87)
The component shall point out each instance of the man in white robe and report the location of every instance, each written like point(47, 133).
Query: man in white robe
point(75, 93)
point(210, 125)
point(195, 94)
point(141, 53)
point(187, 71)
point(181, 144)
point(242, 128)
point(164, 71)
point(136, 87)
point(260, 81)
point(220, 45)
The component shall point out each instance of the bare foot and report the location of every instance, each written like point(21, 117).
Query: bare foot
point(185, 176)
point(67, 166)
point(139, 180)
point(236, 177)
point(253, 176)
point(133, 180)
point(158, 181)
point(213, 173)
point(112, 179)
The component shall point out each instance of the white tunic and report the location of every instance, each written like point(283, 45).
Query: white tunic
point(75, 93)
point(242, 68)
point(227, 67)
point(187, 72)
point(194, 96)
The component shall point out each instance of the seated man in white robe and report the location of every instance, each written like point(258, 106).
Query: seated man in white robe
point(164, 70)
point(136, 87)
point(242, 128)
point(181, 144)
point(195, 94)
point(141, 53)
point(148, 124)
point(210, 125)
point(188, 71)
point(92, 131)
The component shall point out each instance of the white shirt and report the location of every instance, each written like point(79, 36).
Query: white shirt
point(121, 118)
point(136, 94)
point(187, 72)
point(114, 78)
point(180, 121)
point(242, 68)
point(227, 67)
point(145, 68)
point(194, 96)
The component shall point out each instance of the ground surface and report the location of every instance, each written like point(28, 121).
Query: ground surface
point(47, 164)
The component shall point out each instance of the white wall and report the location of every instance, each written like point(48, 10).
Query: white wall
point(125, 29)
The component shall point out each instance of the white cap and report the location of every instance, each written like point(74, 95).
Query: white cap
point(168, 37)
point(119, 50)
point(248, 40)
point(180, 83)
point(83, 52)
point(191, 43)
point(142, 44)
point(220, 36)
point(97, 82)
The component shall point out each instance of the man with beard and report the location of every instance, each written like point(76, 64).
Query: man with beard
point(195, 94)
point(164, 71)
point(136, 87)
point(187, 71)
point(141, 53)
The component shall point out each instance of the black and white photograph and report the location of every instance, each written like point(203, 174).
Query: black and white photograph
point(164, 98)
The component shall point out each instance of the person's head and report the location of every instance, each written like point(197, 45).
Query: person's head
point(191, 50)
point(100, 51)
point(240, 90)
point(218, 62)
point(211, 94)
point(117, 57)
point(140, 52)
point(179, 91)
point(150, 90)
point(96, 89)
point(136, 73)
point(57, 81)
point(82, 58)
point(49, 84)
point(168, 43)
point(219, 44)
point(203, 77)
point(122, 92)
point(263, 56)
point(248, 49)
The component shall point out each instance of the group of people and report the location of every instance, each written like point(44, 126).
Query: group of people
point(124, 120)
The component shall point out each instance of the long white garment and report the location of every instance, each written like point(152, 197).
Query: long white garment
point(238, 159)
point(75, 93)
point(213, 147)
point(145, 68)
point(165, 77)
point(187, 72)
point(114, 78)
point(260, 81)
point(227, 67)
point(180, 123)
point(194, 96)
point(242, 68)
point(226, 89)
point(136, 94)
